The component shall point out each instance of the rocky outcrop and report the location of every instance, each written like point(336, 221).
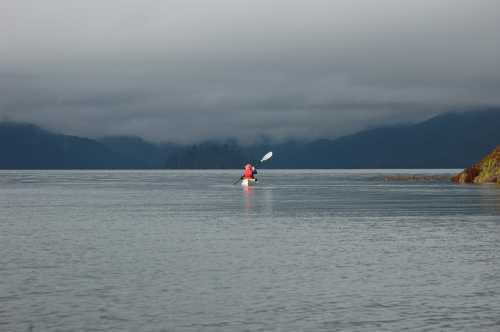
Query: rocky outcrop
point(416, 178)
point(485, 171)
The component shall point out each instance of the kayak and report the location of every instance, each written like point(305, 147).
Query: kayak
point(248, 182)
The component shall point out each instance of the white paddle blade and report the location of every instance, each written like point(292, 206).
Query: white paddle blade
point(267, 156)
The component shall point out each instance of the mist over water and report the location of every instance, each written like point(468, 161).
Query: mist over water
point(304, 250)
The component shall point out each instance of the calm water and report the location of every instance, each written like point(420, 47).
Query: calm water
point(188, 251)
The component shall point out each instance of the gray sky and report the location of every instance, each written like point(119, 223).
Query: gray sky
point(191, 69)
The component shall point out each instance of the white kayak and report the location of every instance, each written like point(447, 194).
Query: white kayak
point(248, 182)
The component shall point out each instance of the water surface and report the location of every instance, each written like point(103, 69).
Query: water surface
point(303, 251)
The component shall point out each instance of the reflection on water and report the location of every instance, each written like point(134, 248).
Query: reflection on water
point(258, 199)
point(248, 194)
point(301, 251)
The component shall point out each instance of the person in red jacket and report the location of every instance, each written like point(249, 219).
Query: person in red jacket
point(249, 172)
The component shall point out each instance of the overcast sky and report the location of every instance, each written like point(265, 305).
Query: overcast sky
point(189, 70)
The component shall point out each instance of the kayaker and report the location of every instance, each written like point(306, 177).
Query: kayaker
point(249, 172)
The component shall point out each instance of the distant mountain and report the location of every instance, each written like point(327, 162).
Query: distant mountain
point(452, 140)
point(143, 154)
point(208, 155)
point(25, 146)
point(446, 141)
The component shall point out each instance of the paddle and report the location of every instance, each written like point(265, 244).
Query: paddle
point(267, 156)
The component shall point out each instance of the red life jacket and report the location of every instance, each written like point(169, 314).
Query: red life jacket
point(248, 173)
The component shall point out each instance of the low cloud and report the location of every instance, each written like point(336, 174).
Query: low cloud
point(181, 71)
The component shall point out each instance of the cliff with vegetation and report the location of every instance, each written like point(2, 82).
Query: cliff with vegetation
point(485, 171)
